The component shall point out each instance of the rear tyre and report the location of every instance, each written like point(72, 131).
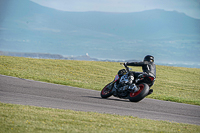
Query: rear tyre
point(140, 94)
point(107, 91)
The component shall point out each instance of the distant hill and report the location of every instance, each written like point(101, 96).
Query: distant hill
point(55, 56)
point(86, 58)
point(32, 28)
point(152, 23)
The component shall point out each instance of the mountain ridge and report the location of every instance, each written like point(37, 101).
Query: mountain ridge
point(168, 35)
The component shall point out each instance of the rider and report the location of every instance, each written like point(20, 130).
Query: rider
point(148, 67)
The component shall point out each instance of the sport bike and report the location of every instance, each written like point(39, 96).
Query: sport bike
point(126, 86)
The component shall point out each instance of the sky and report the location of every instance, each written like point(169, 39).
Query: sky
point(189, 7)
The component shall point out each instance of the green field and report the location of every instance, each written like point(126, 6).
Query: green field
point(20, 118)
point(176, 84)
point(172, 84)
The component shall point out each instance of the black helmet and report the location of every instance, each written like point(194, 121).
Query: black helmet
point(149, 58)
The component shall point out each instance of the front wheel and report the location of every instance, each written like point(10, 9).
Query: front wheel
point(107, 91)
point(140, 94)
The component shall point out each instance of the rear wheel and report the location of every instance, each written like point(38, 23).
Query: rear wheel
point(140, 94)
point(107, 91)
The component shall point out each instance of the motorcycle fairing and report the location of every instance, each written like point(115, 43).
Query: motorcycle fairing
point(116, 77)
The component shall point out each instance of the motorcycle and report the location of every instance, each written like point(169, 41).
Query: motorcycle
point(126, 86)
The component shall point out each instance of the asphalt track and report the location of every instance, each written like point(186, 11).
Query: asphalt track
point(29, 92)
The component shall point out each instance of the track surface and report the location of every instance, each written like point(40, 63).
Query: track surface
point(28, 92)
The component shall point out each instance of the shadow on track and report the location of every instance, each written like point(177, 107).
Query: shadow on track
point(112, 99)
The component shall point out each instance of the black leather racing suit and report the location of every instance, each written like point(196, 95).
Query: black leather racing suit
point(147, 67)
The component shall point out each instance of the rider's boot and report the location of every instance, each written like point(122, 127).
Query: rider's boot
point(150, 91)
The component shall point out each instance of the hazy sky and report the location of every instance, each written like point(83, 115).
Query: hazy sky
point(189, 7)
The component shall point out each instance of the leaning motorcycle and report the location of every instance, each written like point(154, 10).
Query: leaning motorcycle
point(126, 86)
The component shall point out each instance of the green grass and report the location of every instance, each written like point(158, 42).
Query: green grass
point(176, 84)
point(172, 84)
point(20, 118)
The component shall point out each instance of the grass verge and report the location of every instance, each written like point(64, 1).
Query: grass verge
point(176, 84)
point(20, 118)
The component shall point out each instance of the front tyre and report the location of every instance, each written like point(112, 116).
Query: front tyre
point(107, 91)
point(140, 94)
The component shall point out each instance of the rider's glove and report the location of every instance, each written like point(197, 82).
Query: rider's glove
point(125, 63)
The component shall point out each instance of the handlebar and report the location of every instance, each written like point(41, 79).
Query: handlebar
point(127, 68)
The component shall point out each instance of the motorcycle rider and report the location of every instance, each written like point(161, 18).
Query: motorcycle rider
point(148, 67)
